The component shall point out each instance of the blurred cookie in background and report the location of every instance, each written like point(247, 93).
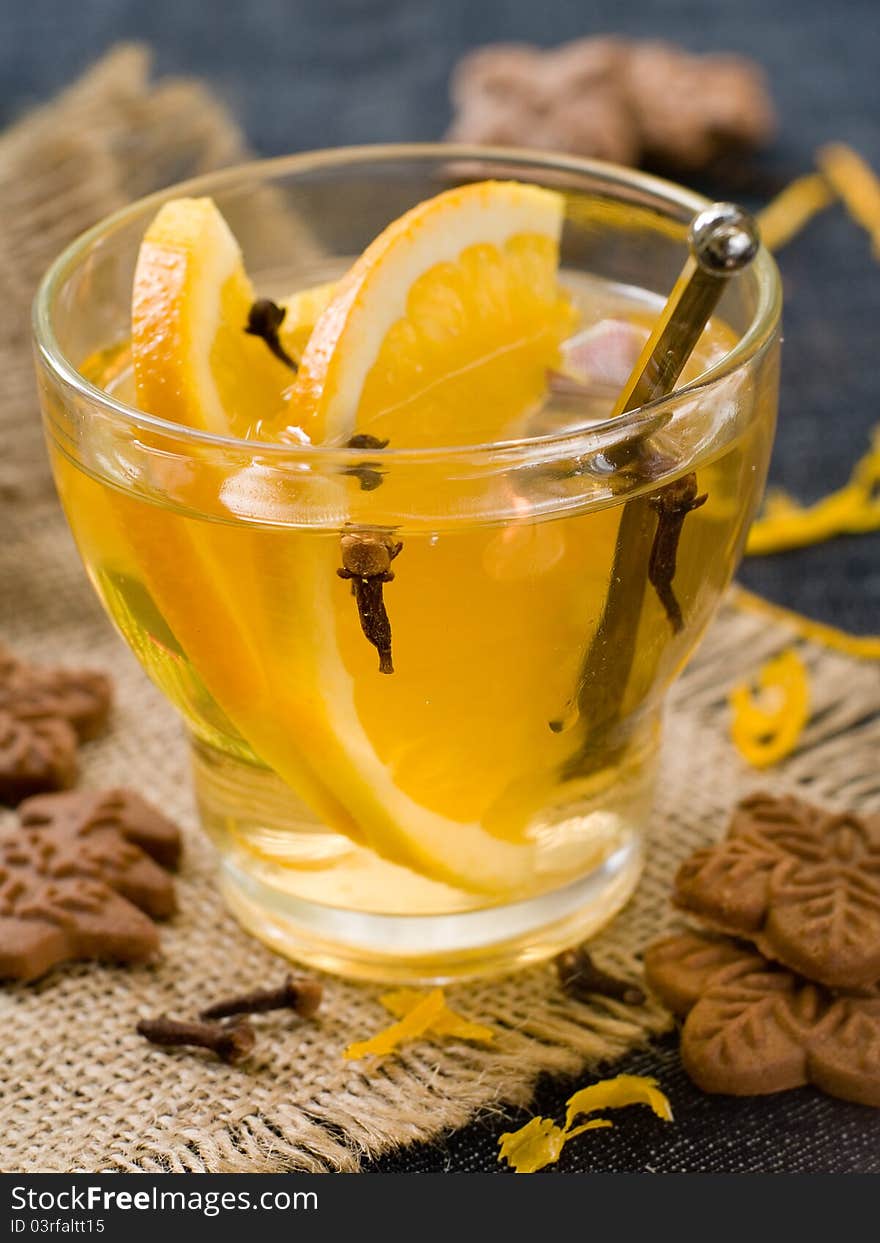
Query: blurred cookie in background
point(608, 98)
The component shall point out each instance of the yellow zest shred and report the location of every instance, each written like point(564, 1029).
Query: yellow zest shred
point(615, 1094)
point(851, 510)
point(766, 735)
point(857, 184)
point(862, 646)
point(418, 1014)
point(415, 1023)
point(540, 1142)
point(447, 1023)
point(793, 208)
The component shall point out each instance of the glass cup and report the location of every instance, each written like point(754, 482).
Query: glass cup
point(483, 806)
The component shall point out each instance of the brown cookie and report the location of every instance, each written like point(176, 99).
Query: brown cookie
point(751, 1027)
point(803, 884)
point(691, 110)
point(613, 99)
point(567, 99)
point(84, 876)
point(35, 755)
point(82, 697)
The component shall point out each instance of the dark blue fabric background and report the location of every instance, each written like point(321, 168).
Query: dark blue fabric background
point(312, 73)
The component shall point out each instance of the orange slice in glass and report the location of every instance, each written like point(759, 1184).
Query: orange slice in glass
point(442, 332)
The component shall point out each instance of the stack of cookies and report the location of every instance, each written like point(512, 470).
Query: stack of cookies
point(781, 985)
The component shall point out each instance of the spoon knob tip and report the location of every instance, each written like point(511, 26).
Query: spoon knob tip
point(723, 239)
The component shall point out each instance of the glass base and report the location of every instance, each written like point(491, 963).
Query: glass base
point(432, 948)
point(315, 896)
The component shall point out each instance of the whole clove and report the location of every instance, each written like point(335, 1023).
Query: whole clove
point(366, 561)
point(296, 993)
point(672, 505)
point(581, 979)
point(363, 440)
point(264, 319)
point(369, 473)
point(232, 1042)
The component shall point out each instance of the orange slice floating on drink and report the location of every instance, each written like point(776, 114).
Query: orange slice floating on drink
point(193, 364)
point(443, 330)
point(441, 333)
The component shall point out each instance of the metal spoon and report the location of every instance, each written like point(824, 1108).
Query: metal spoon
point(723, 240)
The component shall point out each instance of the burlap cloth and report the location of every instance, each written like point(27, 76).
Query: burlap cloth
point(80, 1090)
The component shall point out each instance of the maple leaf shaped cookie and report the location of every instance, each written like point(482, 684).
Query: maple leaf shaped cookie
point(803, 884)
point(751, 1027)
point(84, 875)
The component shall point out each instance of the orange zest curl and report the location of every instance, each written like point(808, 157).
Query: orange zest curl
point(412, 1025)
point(857, 185)
point(418, 1014)
point(793, 208)
point(765, 732)
point(540, 1142)
point(447, 1023)
point(843, 175)
point(853, 509)
point(617, 1093)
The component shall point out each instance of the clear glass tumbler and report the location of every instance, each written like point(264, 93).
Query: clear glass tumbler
point(483, 806)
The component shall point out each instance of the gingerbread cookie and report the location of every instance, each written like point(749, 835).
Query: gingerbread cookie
point(692, 110)
point(751, 1027)
point(613, 99)
point(82, 697)
point(803, 884)
point(569, 99)
point(43, 712)
point(84, 876)
point(35, 755)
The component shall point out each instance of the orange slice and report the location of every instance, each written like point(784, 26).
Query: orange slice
point(194, 365)
point(193, 362)
point(443, 330)
point(461, 294)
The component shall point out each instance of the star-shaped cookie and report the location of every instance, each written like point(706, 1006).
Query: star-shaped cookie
point(44, 712)
point(84, 875)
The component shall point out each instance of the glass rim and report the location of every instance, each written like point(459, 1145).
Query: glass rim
point(633, 422)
